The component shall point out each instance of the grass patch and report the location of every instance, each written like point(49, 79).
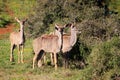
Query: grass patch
point(103, 63)
point(21, 8)
point(14, 71)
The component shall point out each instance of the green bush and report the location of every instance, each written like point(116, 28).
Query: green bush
point(4, 19)
point(56, 11)
point(104, 59)
point(21, 9)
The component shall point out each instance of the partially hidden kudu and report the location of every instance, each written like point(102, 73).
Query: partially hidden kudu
point(48, 43)
point(68, 43)
point(18, 39)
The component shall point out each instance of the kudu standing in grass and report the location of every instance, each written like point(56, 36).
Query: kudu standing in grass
point(18, 39)
point(68, 43)
point(48, 43)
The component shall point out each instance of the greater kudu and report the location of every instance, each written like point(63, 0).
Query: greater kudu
point(69, 41)
point(48, 43)
point(18, 39)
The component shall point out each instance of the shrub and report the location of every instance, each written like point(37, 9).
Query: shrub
point(104, 58)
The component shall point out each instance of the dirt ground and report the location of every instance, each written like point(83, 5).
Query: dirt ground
point(8, 29)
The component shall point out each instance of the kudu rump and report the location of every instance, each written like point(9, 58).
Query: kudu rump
point(18, 39)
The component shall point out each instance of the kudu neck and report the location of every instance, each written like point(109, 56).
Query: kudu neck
point(60, 38)
point(21, 33)
point(21, 29)
point(73, 37)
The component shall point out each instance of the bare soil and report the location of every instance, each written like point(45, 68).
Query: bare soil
point(8, 29)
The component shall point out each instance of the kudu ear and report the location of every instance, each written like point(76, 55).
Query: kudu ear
point(24, 20)
point(68, 25)
point(17, 19)
point(56, 26)
point(73, 24)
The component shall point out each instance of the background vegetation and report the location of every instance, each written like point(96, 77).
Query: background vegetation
point(96, 55)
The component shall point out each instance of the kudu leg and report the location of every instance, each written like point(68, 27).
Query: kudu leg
point(39, 63)
point(55, 60)
point(18, 53)
point(44, 58)
point(11, 53)
point(22, 49)
point(52, 58)
point(66, 58)
point(34, 59)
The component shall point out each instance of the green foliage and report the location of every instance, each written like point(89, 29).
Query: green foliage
point(56, 11)
point(59, 11)
point(21, 9)
point(14, 71)
point(4, 18)
point(104, 59)
point(97, 47)
point(2, 5)
point(115, 6)
point(15, 8)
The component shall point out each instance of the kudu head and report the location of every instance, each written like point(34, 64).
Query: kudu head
point(59, 29)
point(21, 22)
point(73, 28)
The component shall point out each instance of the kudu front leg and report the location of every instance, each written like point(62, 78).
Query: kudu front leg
point(22, 50)
point(11, 53)
point(55, 60)
point(52, 58)
point(18, 53)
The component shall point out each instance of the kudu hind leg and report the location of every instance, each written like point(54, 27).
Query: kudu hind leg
point(41, 58)
point(66, 60)
point(35, 58)
point(52, 58)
